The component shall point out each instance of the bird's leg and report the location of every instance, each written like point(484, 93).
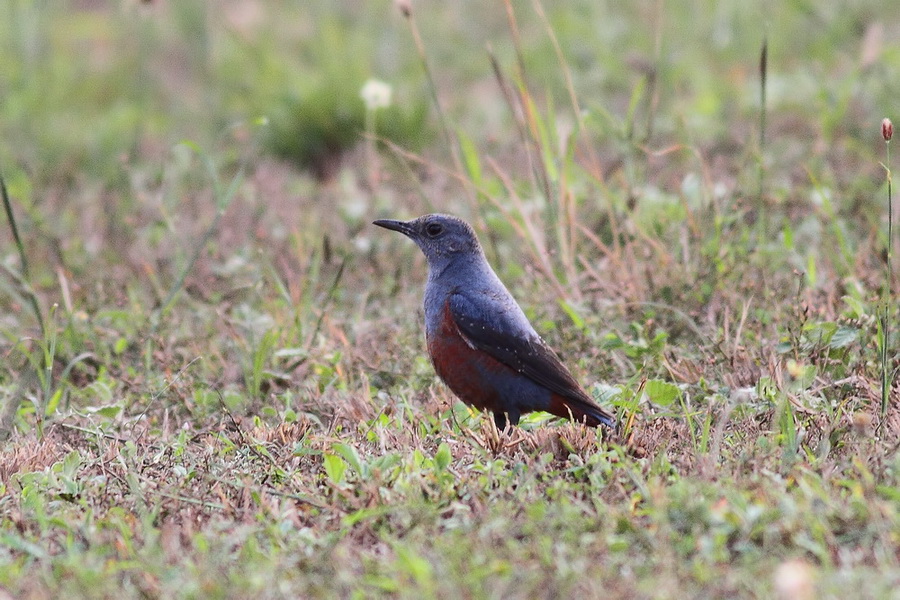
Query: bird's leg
point(500, 420)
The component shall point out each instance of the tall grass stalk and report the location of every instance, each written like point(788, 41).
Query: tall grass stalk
point(763, 71)
point(406, 11)
point(531, 120)
point(887, 132)
point(23, 258)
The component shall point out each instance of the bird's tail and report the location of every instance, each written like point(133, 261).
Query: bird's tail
point(582, 411)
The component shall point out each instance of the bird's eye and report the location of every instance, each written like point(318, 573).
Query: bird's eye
point(434, 229)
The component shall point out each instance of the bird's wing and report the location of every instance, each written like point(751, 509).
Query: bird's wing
point(504, 338)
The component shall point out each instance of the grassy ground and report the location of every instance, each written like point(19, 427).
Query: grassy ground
point(213, 373)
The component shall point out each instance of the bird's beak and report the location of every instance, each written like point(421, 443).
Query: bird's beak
point(402, 226)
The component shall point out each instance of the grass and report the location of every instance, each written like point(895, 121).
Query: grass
point(213, 377)
point(887, 371)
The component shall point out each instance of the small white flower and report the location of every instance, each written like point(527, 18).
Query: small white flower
point(355, 207)
point(376, 94)
point(362, 244)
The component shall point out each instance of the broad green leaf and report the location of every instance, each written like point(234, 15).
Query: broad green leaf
point(109, 412)
point(335, 467)
point(350, 455)
point(605, 393)
point(856, 306)
point(844, 336)
point(661, 392)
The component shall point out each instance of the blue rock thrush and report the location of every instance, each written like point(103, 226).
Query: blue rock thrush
point(480, 342)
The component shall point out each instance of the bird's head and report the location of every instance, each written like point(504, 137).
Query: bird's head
point(440, 237)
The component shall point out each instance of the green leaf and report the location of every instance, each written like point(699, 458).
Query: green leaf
point(350, 455)
point(889, 492)
point(572, 314)
point(14, 542)
point(71, 463)
point(605, 393)
point(811, 270)
point(844, 336)
point(470, 157)
point(661, 392)
point(611, 341)
point(386, 462)
point(415, 565)
point(788, 234)
point(54, 402)
point(856, 306)
point(335, 467)
point(442, 457)
point(109, 412)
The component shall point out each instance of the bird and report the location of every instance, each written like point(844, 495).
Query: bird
point(480, 341)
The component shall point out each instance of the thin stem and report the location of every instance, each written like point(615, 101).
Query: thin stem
point(763, 70)
point(432, 87)
point(23, 258)
point(886, 315)
point(451, 142)
point(371, 155)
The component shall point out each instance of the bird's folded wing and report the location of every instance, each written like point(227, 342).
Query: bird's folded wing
point(497, 333)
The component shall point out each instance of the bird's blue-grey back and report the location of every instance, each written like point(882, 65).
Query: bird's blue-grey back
point(488, 303)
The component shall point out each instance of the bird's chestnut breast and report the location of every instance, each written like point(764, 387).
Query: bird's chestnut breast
point(473, 375)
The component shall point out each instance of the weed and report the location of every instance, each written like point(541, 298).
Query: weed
point(884, 332)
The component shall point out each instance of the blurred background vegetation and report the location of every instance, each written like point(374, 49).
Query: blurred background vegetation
point(102, 93)
point(193, 183)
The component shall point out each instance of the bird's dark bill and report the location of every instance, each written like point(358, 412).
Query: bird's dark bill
point(401, 226)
